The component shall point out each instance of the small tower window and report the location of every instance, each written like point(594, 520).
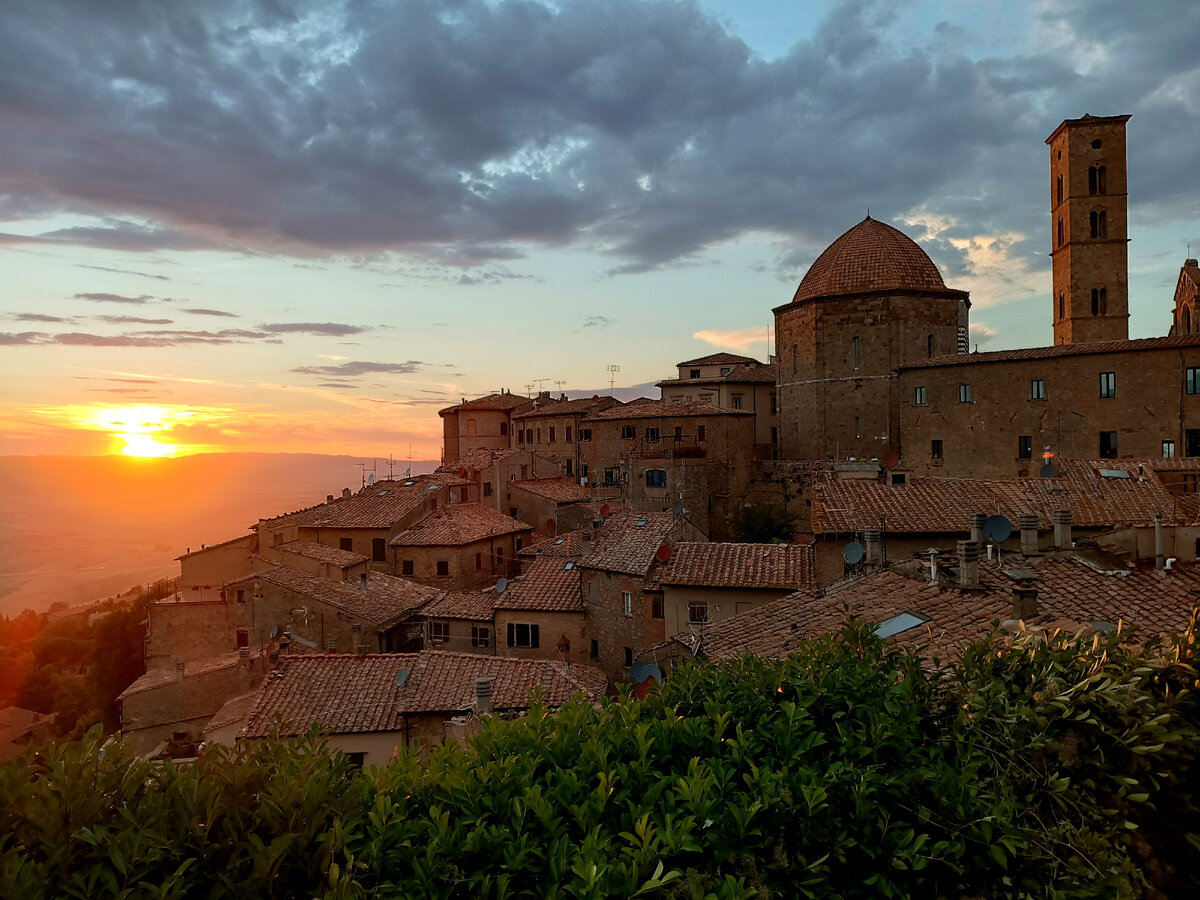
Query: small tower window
point(1060, 189)
point(1060, 232)
point(856, 352)
point(1098, 223)
point(1099, 301)
point(1062, 307)
point(1187, 321)
point(929, 347)
point(1097, 180)
point(795, 360)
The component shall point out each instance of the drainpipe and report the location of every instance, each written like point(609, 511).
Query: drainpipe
point(1158, 542)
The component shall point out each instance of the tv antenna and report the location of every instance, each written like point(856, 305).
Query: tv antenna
point(558, 383)
point(612, 377)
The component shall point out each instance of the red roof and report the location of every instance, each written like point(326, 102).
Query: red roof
point(458, 524)
point(768, 566)
point(645, 408)
point(550, 585)
point(718, 359)
point(475, 606)
point(872, 257)
point(385, 600)
point(379, 505)
point(563, 546)
point(560, 490)
point(756, 374)
point(628, 541)
point(1058, 350)
point(500, 402)
point(576, 407)
point(343, 559)
point(353, 694)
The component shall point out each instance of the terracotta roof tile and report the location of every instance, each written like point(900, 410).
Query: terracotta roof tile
point(343, 559)
point(478, 459)
point(560, 490)
point(458, 524)
point(385, 600)
point(628, 541)
point(944, 505)
point(475, 606)
point(1058, 350)
point(354, 694)
point(491, 401)
point(563, 546)
point(757, 374)
point(379, 505)
point(778, 566)
point(577, 407)
point(718, 359)
point(550, 585)
point(646, 408)
point(870, 257)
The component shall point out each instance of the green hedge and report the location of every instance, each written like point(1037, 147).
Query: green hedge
point(1061, 768)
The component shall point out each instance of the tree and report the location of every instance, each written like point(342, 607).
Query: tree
point(765, 523)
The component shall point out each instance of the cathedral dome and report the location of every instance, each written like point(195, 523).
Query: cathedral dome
point(870, 257)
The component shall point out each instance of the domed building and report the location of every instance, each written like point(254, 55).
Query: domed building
point(872, 302)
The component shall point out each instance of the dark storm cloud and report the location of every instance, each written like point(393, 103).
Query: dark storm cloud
point(463, 131)
point(329, 329)
point(355, 369)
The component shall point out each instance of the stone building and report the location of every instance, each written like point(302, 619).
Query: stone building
point(541, 614)
point(729, 381)
point(1187, 298)
point(460, 547)
point(483, 423)
point(550, 428)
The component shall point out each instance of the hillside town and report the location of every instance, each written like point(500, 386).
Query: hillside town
point(573, 545)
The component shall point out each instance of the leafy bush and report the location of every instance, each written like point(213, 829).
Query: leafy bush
point(1052, 768)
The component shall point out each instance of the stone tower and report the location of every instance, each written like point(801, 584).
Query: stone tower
point(1089, 230)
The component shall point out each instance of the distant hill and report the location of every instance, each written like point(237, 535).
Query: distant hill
point(76, 528)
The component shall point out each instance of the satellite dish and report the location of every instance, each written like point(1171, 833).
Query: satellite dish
point(371, 478)
point(501, 585)
point(997, 529)
point(549, 523)
point(1049, 471)
point(677, 507)
point(663, 553)
point(605, 510)
point(520, 514)
point(890, 459)
point(274, 632)
point(401, 677)
point(854, 553)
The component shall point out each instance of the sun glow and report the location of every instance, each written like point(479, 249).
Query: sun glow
point(137, 426)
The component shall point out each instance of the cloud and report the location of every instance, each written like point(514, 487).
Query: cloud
point(38, 317)
point(645, 131)
point(211, 312)
point(329, 329)
point(981, 333)
point(355, 369)
point(114, 298)
point(738, 339)
point(131, 320)
point(142, 339)
point(123, 272)
point(597, 322)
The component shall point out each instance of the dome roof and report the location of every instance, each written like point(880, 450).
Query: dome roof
point(871, 256)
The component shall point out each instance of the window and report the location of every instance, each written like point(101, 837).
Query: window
point(1025, 446)
point(406, 567)
point(858, 426)
point(1193, 379)
point(1168, 449)
point(656, 478)
point(346, 544)
point(700, 433)
point(583, 470)
point(585, 434)
point(524, 472)
point(652, 434)
point(478, 562)
point(443, 567)
point(520, 543)
point(1187, 320)
point(1062, 306)
point(568, 434)
point(503, 429)
point(920, 397)
point(1099, 301)
point(725, 371)
point(627, 602)
point(1060, 189)
point(594, 649)
point(1191, 442)
point(464, 494)
point(795, 360)
point(487, 489)
point(1037, 389)
point(698, 613)
point(656, 606)
point(538, 432)
point(379, 549)
point(471, 428)
point(570, 467)
point(929, 345)
point(1098, 223)
point(356, 760)
point(610, 476)
point(628, 432)
point(439, 632)
point(1060, 232)
point(628, 657)
point(243, 638)
point(1108, 384)
point(678, 432)
point(774, 434)
point(964, 393)
point(1108, 445)
point(856, 352)
point(481, 636)
point(552, 434)
point(774, 405)
point(935, 449)
point(1097, 180)
point(694, 373)
point(737, 401)
point(520, 435)
point(522, 635)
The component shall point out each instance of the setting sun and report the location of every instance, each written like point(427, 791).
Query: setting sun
point(137, 427)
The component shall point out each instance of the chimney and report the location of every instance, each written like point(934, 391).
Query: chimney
point(1025, 606)
point(975, 524)
point(362, 581)
point(244, 657)
point(179, 671)
point(331, 644)
point(1062, 529)
point(483, 695)
point(968, 564)
point(1028, 523)
point(874, 547)
point(329, 498)
point(1158, 542)
point(346, 493)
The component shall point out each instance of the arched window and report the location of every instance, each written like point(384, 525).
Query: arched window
point(1060, 189)
point(1099, 301)
point(929, 342)
point(856, 352)
point(1097, 180)
point(1098, 223)
point(1062, 307)
point(504, 429)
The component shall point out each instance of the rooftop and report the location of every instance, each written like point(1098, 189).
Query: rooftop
point(354, 694)
point(741, 374)
point(1058, 351)
point(872, 257)
point(475, 606)
point(384, 601)
point(343, 559)
point(645, 408)
point(560, 490)
point(628, 541)
point(502, 401)
point(766, 566)
point(549, 585)
point(378, 505)
point(563, 546)
point(458, 524)
point(578, 407)
point(718, 359)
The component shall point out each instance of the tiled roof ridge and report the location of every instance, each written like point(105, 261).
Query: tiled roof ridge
point(715, 359)
point(1057, 350)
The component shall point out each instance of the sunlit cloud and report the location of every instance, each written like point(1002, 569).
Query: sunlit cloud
point(738, 339)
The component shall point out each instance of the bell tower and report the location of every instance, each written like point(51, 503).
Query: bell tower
point(1089, 230)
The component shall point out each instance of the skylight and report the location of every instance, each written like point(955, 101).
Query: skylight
point(1114, 473)
point(569, 566)
point(898, 624)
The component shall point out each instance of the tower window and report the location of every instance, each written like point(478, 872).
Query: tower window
point(920, 397)
point(1193, 380)
point(1108, 445)
point(1025, 446)
point(964, 393)
point(1060, 232)
point(795, 360)
point(1096, 144)
point(935, 449)
point(1097, 180)
point(929, 343)
point(1187, 320)
point(1098, 223)
point(1037, 389)
point(1099, 301)
point(1062, 307)
point(1060, 189)
point(856, 352)
point(1108, 384)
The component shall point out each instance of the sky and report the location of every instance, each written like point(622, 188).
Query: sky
point(306, 227)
